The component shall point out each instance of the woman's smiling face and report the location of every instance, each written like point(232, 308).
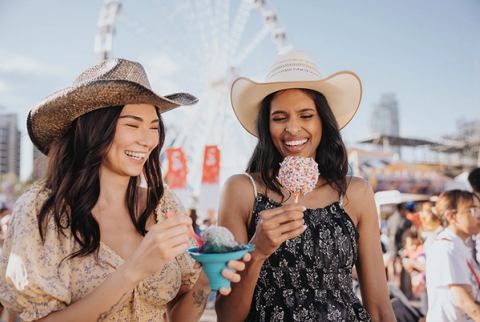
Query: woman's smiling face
point(136, 135)
point(295, 126)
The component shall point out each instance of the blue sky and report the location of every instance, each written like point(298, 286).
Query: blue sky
point(426, 52)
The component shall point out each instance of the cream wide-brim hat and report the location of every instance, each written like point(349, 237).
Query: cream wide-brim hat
point(343, 90)
point(113, 82)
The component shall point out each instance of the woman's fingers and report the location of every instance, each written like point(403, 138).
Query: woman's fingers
point(176, 241)
point(290, 226)
point(179, 230)
point(267, 214)
point(173, 221)
point(225, 291)
point(287, 216)
point(236, 265)
point(294, 233)
point(231, 276)
point(178, 250)
point(247, 257)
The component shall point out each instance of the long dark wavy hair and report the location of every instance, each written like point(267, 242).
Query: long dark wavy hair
point(74, 184)
point(331, 154)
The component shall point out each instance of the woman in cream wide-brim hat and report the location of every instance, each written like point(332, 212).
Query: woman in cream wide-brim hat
point(301, 269)
point(88, 243)
point(343, 90)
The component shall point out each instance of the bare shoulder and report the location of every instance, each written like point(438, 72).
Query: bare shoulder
point(239, 185)
point(358, 188)
point(237, 196)
point(359, 201)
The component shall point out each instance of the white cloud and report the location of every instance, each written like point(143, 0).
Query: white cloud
point(161, 64)
point(14, 63)
point(162, 72)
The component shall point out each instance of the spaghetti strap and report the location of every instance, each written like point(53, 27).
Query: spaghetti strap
point(253, 184)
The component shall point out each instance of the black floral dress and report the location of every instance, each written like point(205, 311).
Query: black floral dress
point(309, 278)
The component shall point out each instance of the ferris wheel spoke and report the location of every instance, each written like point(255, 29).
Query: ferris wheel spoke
point(201, 16)
point(152, 37)
point(169, 15)
point(239, 23)
point(223, 11)
point(259, 37)
point(213, 27)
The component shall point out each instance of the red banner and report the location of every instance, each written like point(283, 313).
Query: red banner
point(211, 164)
point(177, 169)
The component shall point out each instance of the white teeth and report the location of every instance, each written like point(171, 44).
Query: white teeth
point(135, 155)
point(297, 142)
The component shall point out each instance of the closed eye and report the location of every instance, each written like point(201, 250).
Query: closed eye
point(308, 116)
point(132, 125)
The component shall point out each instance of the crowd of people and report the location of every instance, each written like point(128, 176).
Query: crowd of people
point(431, 256)
point(102, 238)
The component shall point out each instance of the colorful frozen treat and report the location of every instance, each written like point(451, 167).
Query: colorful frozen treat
point(217, 239)
point(219, 247)
point(298, 175)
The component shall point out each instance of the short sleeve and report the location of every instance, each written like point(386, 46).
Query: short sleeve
point(32, 281)
point(458, 268)
point(171, 203)
point(447, 265)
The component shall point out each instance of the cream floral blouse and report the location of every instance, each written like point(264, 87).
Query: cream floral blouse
point(34, 280)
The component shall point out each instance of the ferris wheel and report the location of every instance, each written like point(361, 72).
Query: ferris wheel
point(207, 42)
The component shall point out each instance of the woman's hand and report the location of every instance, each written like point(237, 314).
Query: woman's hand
point(231, 274)
point(276, 226)
point(164, 241)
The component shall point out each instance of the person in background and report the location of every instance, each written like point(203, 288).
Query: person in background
point(212, 216)
point(192, 213)
point(474, 243)
point(413, 215)
point(413, 261)
point(431, 223)
point(397, 225)
point(452, 283)
point(474, 180)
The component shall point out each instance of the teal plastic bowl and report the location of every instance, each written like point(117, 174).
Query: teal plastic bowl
point(214, 263)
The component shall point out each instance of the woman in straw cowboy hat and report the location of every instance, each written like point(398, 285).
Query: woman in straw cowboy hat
point(88, 243)
point(301, 269)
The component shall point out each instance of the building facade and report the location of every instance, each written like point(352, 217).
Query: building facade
point(9, 144)
point(384, 118)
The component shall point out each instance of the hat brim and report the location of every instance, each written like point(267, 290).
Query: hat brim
point(51, 117)
point(343, 91)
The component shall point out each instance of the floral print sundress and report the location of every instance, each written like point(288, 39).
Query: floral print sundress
point(309, 278)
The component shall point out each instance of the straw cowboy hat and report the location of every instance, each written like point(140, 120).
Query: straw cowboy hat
point(111, 83)
point(343, 90)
